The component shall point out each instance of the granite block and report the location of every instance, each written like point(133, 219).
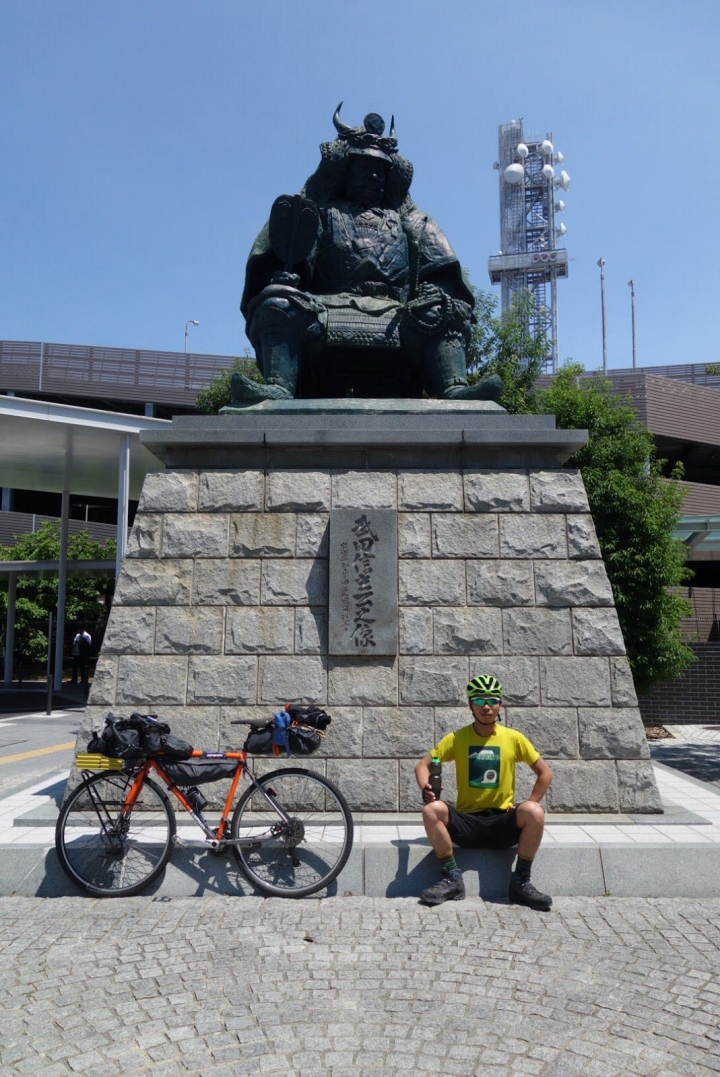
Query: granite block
point(455, 535)
point(226, 583)
point(584, 787)
point(145, 535)
point(496, 491)
point(195, 535)
point(638, 788)
point(431, 681)
point(130, 630)
point(519, 677)
point(397, 732)
point(431, 583)
point(572, 583)
point(558, 491)
point(169, 491)
point(260, 630)
point(363, 681)
point(102, 689)
point(189, 630)
point(415, 630)
point(299, 679)
point(536, 631)
point(500, 583)
point(525, 534)
point(229, 680)
point(623, 686)
point(154, 583)
point(597, 631)
point(553, 733)
point(368, 784)
point(311, 630)
point(612, 733)
point(313, 533)
point(414, 534)
point(231, 491)
point(262, 534)
point(146, 682)
point(575, 682)
point(581, 537)
point(364, 490)
point(294, 583)
point(474, 630)
point(297, 491)
point(430, 490)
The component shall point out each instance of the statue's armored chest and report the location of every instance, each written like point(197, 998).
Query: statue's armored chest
point(362, 245)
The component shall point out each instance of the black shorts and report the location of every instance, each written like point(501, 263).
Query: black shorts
point(492, 829)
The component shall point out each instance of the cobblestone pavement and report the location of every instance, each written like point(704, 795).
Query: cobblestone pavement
point(358, 987)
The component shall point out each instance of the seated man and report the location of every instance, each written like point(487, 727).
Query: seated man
point(485, 755)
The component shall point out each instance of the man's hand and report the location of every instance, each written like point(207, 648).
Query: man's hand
point(428, 795)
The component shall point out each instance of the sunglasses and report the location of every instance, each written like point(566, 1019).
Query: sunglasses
point(490, 700)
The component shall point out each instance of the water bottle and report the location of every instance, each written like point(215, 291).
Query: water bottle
point(196, 799)
point(435, 779)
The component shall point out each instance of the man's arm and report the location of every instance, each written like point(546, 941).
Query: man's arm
point(422, 777)
point(542, 781)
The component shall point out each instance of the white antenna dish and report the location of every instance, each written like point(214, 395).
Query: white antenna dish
point(560, 206)
point(548, 172)
point(547, 146)
point(559, 158)
point(564, 180)
point(514, 174)
point(561, 230)
point(522, 151)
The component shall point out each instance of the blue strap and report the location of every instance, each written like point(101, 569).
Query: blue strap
point(282, 722)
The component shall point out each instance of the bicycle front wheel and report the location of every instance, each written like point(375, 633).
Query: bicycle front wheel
point(303, 853)
point(110, 852)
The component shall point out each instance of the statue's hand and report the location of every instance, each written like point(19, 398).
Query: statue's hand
point(290, 280)
point(428, 311)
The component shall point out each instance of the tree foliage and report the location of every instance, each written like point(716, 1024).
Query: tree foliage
point(635, 512)
point(37, 595)
point(503, 344)
point(218, 393)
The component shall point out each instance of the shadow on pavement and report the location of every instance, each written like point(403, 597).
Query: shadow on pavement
point(698, 760)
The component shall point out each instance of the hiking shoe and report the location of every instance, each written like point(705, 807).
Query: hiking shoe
point(450, 888)
point(522, 892)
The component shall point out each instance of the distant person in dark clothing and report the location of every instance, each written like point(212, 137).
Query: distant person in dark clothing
point(80, 655)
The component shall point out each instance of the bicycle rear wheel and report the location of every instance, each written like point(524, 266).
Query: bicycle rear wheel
point(303, 855)
point(108, 852)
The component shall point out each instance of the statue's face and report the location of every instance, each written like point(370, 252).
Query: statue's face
point(365, 180)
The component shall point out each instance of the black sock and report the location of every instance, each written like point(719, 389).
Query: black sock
point(523, 867)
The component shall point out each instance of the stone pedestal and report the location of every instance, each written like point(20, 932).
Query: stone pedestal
point(221, 608)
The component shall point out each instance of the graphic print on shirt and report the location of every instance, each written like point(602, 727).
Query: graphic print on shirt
point(483, 767)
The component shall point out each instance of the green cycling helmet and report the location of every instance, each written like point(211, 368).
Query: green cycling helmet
point(484, 685)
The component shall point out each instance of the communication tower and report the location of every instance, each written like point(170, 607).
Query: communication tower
point(529, 257)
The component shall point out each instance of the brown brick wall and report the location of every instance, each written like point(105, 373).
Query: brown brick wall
point(693, 697)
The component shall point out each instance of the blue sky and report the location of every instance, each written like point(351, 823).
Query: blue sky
point(145, 140)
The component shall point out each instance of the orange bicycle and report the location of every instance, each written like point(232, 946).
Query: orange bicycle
point(291, 831)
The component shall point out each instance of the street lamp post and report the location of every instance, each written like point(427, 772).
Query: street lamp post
point(631, 286)
point(188, 323)
point(601, 263)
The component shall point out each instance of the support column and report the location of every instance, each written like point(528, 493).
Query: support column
point(10, 628)
point(123, 497)
point(62, 586)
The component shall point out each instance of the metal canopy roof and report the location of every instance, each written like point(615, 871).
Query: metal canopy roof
point(56, 447)
point(700, 533)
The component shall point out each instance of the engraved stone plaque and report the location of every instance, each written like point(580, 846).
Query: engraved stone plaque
point(363, 597)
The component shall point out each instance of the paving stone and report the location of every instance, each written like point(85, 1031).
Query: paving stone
point(189, 630)
point(196, 535)
point(293, 679)
point(169, 491)
point(623, 686)
point(130, 630)
point(362, 681)
point(536, 631)
point(415, 629)
point(523, 534)
point(473, 630)
point(432, 681)
point(584, 787)
point(554, 733)
point(431, 583)
point(414, 534)
point(581, 537)
point(572, 583)
point(597, 632)
point(395, 732)
point(297, 491)
point(231, 491)
point(153, 583)
point(262, 534)
point(364, 490)
point(151, 681)
point(226, 583)
point(230, 680)
point(313, 535)
point(612, 733)
point(496, 491)
point(145, 535)
point(578, 682)
point(464, 535)
point(430, 490)
point(500, 583)
point(558, 491)
point(294, 583)
point(311, 630)
point(260, 630)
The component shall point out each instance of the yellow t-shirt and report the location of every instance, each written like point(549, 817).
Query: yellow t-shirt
point(485, 766)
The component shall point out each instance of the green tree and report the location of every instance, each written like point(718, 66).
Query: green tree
point(635, 513)
point(503, 344)
point(37, 595)
point(218, 393)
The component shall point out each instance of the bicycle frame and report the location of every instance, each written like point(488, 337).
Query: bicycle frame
point(215, 838)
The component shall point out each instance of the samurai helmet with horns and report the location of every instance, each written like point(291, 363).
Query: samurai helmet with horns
point(368, 140)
